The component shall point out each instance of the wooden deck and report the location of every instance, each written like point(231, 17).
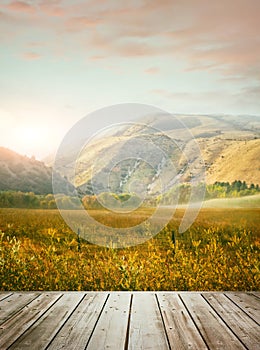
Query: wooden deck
point(125, 320)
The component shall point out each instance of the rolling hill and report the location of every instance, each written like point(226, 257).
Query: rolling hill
point(135, 158)
point(229, 148)
point(21, 173)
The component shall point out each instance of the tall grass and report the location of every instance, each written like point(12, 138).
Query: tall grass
point(219, 252)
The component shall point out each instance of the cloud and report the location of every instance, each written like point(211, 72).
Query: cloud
point(152, 70)
point(21, 6)
point(249, 95)
point(49, 9)
point(97, 58)
point(80, 23)
point(31, 56)
point(219, 37)
point(198, 97)
point(224, 38)
point(245, 99)
point(134, 49)
point(204, 35)
point(172, 95)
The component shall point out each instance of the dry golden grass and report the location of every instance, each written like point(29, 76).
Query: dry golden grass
point(229, 160)
point(219, 252)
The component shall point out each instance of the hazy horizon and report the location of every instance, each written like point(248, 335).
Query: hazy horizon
point(50, 155)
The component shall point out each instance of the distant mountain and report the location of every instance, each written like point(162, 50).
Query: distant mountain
point(21, 173)
point(229, 147)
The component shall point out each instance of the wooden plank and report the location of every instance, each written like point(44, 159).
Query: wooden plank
point(111, 328)
point(14, 303)
point(77, 330)
point(213, 330)
point(256, 294)
point(181, 330)
point(146, 326)
point(241, 324)
point(40, 334)
point(4, 295)
point(249, 303)
point(15, 326)
point(74, 320)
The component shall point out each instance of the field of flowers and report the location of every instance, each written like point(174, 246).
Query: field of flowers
point(219, 252)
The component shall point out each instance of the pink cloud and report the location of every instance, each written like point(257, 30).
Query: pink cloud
point(55, 11)
point(97, 58)
point(204, 35)
point(36, 44)
point(134, 49)
point(21, 6)
point(80, 23)
point(152, 70)
point(31, 56)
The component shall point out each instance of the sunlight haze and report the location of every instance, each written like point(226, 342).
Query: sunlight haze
point(63, 59)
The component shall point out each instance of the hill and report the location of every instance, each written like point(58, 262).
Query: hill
point(21, 173)
point(231, 159)
point(135, 158)
point(229, 147)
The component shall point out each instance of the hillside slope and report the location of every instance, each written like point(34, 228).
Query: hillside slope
point(20, 173)
point(229, 146)
point(230, 160)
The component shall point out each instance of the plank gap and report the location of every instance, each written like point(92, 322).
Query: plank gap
point(193, 320)
point(5, 296)
point(101, 311)
point(214, 329)
point(25, 318)
point(35, 321)
point(63, 324)
point(242, 308)
point(255, 294)
point(18, 297)
point(128, 323)
point(224, 321)
point(164, 326)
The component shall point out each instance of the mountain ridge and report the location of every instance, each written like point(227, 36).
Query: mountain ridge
point(229, 147)
point(26, 174)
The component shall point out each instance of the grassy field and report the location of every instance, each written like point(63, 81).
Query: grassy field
point(219, 252)
point(240, 202)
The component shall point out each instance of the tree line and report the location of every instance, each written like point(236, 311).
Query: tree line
point(235, 189)
point(30, 200)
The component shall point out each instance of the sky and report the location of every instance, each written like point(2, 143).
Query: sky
point(62, 59)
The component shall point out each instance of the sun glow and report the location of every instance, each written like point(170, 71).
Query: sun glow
point(31, 139)
point(30, 134)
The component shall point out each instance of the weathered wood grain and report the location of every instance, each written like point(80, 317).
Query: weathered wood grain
point(24, 318)
point(243, 326)
point(40, 334)
point(213, 330)
point(146, 327)
point(249, 303)
point(4, 295)
point(111, 328)
point(181, 330)
point(12, 304)
point(76, 332)
point(129, 320)
point(255, 293)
